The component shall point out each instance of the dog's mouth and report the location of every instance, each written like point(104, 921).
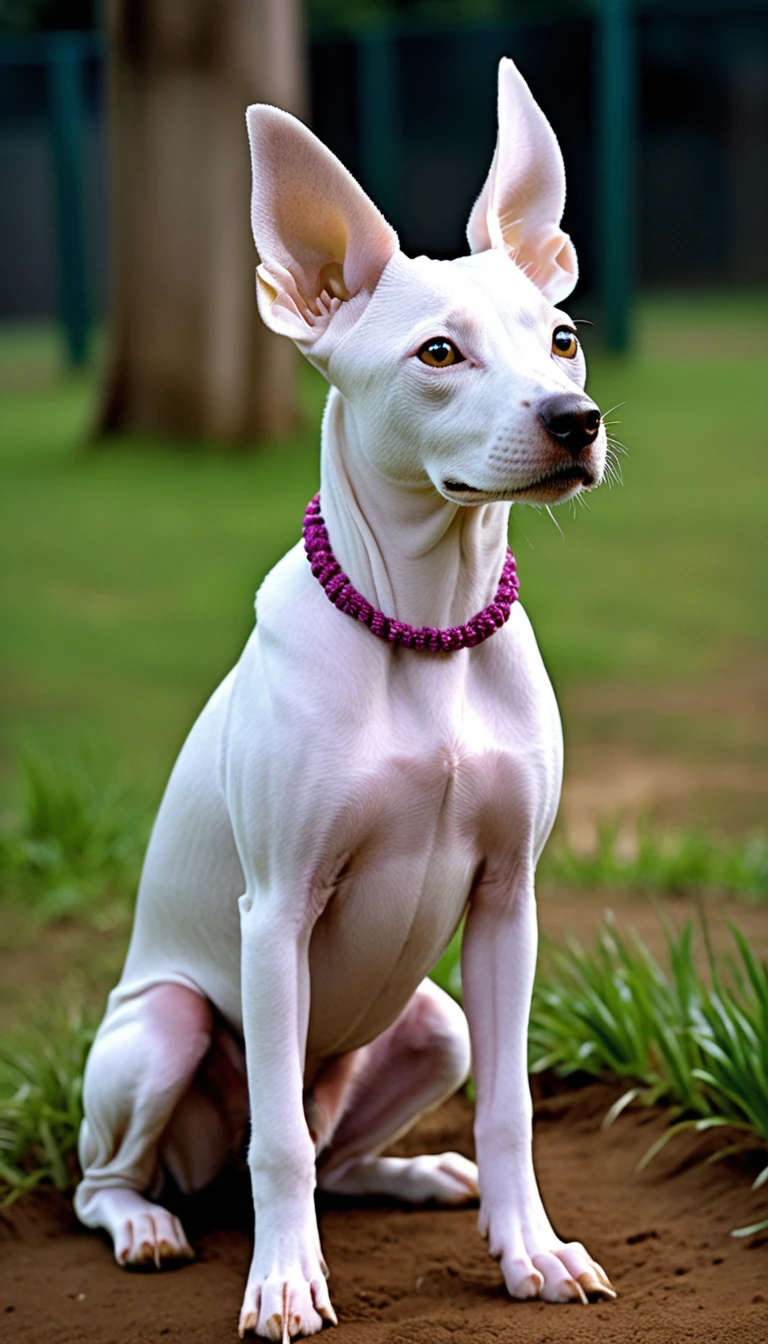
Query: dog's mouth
point(545, 489)
point(460, 488)
point(553, 484)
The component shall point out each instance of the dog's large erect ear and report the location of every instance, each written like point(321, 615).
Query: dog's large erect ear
point(522, 202)
point(320, 240)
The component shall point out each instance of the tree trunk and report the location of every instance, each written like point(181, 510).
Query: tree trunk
point(188, 354)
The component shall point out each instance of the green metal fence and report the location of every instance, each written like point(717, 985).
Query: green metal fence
point(379, 133)
point(62, 56)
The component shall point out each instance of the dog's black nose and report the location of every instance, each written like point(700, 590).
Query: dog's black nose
point(573, 421)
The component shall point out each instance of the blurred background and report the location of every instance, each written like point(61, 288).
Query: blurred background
point(660, 107)
point(158, 447)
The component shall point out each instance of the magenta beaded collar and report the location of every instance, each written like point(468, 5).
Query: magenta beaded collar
point(343, 595)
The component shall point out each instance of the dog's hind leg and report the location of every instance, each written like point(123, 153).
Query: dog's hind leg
point(143, 1062)
point(413, 1066)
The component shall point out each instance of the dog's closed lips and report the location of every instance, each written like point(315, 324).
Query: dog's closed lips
point(556, 483)
point(565, 478)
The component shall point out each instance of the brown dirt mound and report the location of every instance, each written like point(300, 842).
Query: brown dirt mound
point(423, 1276)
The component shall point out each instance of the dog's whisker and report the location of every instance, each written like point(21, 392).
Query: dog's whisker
point(554, 520)
point(525, 534)
point(613, 471)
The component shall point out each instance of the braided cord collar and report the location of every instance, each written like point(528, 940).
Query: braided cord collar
point(346, 598)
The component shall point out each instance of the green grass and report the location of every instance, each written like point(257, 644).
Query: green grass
point(676, 862)
point(700, 1047)
point(41, 1084)
point(129, 573)
point(72, 841)
point(697, 1046)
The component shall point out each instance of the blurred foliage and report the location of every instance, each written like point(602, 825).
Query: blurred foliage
point(676, 862)
point(71, 841)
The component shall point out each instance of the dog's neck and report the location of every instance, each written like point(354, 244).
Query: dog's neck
point(416, 556)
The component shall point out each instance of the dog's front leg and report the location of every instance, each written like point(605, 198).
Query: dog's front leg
point(498, 965)
point(286, 1294)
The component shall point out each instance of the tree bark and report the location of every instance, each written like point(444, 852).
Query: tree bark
point(188, 355)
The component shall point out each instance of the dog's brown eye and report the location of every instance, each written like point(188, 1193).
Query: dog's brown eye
point(439, 352)
point(565, 343)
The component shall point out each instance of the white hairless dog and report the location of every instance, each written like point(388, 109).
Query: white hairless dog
point(356, 786)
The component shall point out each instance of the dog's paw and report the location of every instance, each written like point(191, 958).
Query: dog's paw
point(564, 1273)
point(286, 1301)
point(535, 1263)
point(150, 1235)
point(445, 1178)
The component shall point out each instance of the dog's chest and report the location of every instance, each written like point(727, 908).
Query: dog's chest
point(413, 838)
point(381, 789)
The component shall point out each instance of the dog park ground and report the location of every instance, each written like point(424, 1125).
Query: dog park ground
point(129, 580)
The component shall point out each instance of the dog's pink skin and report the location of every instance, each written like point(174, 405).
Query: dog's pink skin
point(341, 803)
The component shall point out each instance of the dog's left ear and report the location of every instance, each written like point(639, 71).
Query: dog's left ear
point(521, 204)
point(321, 241)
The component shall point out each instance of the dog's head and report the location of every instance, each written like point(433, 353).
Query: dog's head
point(464, 373)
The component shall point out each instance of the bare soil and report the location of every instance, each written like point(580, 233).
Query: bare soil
point(423, 1276)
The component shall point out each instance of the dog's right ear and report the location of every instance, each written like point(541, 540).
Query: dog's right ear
point(521, 205)
point(322, 243)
